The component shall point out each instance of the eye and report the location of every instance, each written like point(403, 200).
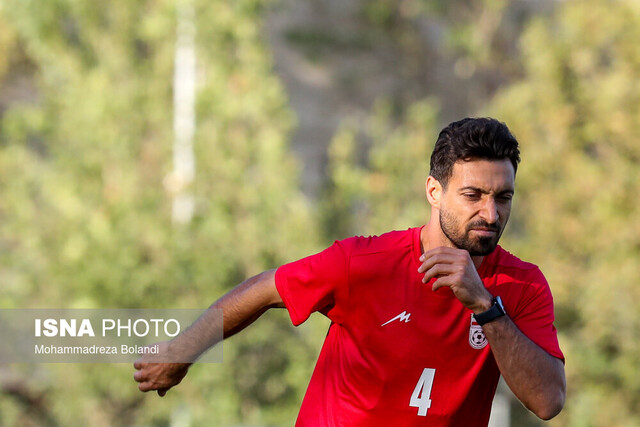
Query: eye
point(471, 196)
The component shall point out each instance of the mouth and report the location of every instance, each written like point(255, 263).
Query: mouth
point(485, 232)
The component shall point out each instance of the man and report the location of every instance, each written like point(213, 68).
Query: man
point(425, 320)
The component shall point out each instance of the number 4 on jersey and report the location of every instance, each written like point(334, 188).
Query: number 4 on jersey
point(421, 394)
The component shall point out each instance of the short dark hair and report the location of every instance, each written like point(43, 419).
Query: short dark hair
point(472, 138)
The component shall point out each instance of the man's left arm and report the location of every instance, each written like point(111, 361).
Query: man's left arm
point(535, 377)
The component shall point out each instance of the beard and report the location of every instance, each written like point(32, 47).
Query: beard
point(476, 246)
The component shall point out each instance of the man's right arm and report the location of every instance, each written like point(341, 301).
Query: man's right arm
point(240, 307)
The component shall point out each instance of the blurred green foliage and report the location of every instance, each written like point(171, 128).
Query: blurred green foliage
point(86, 219)
point(86, 215)
point(379, 188)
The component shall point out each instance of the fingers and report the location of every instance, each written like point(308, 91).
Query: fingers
point(438, 270)
point(442, 282)
point(141, 376)
point(442, 255)
point(453, 268)
point(153, 374)
point(442, 262)
point(147, 385)
point(448, 265)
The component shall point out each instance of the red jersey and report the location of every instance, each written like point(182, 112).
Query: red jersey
point(398, 353)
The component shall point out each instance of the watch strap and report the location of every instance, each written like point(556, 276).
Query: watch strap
point(496, 310)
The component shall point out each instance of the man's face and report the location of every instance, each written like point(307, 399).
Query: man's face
point(476, 204)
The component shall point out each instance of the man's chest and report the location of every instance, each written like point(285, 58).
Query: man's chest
point(396, 320)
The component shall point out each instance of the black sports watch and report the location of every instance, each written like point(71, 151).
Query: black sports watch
point(496, 310)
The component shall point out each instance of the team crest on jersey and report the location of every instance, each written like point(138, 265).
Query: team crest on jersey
point(477, 339)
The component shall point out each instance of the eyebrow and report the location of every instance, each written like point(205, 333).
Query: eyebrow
point(480, 190)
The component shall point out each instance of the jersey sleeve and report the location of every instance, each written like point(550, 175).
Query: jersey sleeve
point(534, 315)
point(316, 283)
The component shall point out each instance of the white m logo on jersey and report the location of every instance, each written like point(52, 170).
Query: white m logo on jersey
point(403, 317)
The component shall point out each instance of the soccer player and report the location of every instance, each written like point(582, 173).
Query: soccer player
point(423, 321)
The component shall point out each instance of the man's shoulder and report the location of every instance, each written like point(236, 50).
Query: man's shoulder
point(386, 242)
point(504, 261)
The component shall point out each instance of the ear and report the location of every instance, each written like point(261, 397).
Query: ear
point(434, 191)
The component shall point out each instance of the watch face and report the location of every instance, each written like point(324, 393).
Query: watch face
point(499, 304)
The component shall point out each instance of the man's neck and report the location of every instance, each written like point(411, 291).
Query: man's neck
point(431, 237)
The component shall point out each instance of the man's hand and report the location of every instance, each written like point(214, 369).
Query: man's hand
point(240, 307)
point(154, 372)
point(454, 268)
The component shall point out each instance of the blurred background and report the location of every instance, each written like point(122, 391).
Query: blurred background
point(155, 153)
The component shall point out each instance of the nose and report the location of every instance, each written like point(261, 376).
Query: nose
point(489, 211)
